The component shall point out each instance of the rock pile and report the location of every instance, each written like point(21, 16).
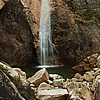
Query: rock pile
point(56, 88)
point(88, 63)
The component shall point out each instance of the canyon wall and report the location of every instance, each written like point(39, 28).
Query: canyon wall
point(75, 33)
point(16, 40)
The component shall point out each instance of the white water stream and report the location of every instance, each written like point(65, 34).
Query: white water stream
point(46, 47)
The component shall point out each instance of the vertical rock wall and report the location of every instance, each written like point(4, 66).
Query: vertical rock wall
point(16, 40)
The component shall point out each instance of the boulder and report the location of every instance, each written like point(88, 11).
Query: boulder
point(77, 89)
point(89, 76)
point(39, 77)
point(55, 94)
point(45, 86)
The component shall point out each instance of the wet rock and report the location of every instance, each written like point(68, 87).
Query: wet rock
point(55, 94)
point(45, 86)
point(88, 76)
point(39, 77)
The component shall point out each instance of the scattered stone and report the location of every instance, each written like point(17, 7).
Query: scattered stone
point(97, 72)
point(81, 79)
point(45, 86)
point(88, 76)
point(98, 61)
point(92, 61)
point(39, 77)
point(75, 79)
point(95, 69)
point(55, 76)
point(77, 89)
point(77, 75)
point(95, 55)
point(50, 82)
point(58, 82)
point(54, 94)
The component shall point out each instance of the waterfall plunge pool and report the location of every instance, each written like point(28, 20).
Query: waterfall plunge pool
point(65, 72)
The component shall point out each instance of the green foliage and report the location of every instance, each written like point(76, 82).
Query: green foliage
point(2, 68)
point(18, 80)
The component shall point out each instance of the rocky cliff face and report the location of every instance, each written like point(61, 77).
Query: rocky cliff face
point(74, 36)
point(16, 40)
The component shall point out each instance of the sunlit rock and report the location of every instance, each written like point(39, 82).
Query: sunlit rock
point(89, 76)
point(39, 77)
point(77, 75)
point(45, 86)
point(55, 94)
point(77, 89)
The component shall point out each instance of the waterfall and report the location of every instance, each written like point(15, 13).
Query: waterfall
point(45, 38)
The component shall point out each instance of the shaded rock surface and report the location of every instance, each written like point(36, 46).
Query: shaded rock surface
point(9, 89)
point(16, 40)
point(8, 82)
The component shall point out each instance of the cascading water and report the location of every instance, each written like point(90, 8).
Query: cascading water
point(46, 47)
